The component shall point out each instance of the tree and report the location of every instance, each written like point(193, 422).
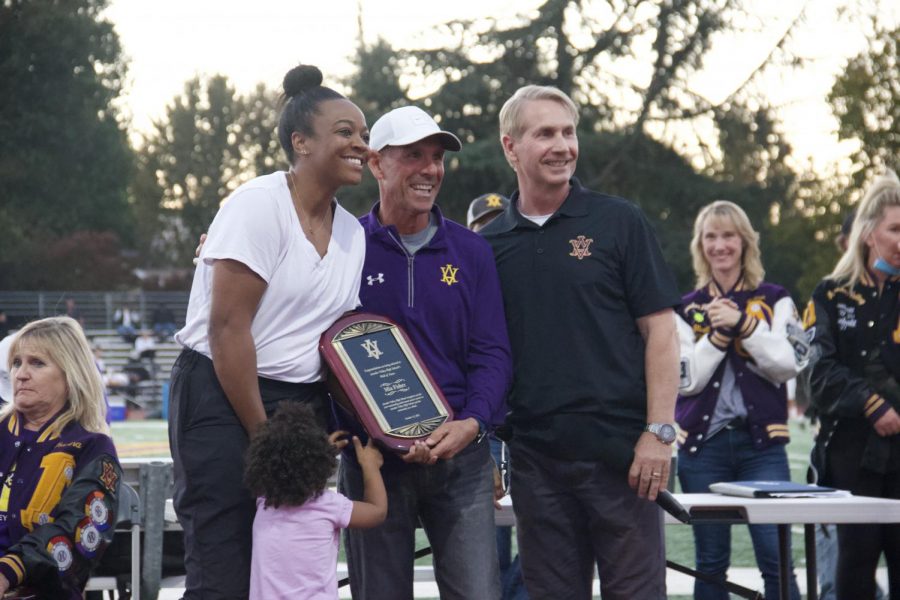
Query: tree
point(210, 141)
point(645, 133)
point(64, 157)
point(866, 100)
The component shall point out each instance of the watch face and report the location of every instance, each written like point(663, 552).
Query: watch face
point(666, 433)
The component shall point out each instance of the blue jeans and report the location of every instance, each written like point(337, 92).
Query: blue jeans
point(730, 456)
point(512, 585)
point(164, 331)
point(453, 501)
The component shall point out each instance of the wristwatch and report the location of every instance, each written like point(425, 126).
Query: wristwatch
point(664, 432)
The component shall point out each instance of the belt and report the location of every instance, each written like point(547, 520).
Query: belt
point(737, 423)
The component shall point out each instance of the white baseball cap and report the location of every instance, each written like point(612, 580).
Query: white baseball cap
point(407, 125)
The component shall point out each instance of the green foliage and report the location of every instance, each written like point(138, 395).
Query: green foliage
point(580, 46)
point(866, 100)
point(376, 82)
point(64, 157)
point(210, 141)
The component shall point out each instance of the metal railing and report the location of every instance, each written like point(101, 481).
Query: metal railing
point(97, 308)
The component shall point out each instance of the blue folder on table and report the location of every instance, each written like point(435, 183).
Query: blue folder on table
point(774, 489)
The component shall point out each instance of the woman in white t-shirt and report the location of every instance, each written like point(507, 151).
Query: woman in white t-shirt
point(281, 264)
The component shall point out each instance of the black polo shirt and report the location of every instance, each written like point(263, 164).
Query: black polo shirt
point(572, 290)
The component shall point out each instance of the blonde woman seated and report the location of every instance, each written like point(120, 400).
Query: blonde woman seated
point(58, 464)
point(740, 342)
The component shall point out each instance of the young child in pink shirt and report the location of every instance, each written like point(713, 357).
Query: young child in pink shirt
point(298, 520)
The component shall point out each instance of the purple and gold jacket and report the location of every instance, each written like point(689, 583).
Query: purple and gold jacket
point(766, 349)
point(447, 298)
point(58, 501)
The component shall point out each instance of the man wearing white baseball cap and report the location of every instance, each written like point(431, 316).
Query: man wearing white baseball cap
point(439, 282)
point(408, 125)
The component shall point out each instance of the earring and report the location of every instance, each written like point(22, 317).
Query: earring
point(304, 153)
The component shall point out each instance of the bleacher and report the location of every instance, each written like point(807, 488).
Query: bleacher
point(146, 396)
point(98, 310)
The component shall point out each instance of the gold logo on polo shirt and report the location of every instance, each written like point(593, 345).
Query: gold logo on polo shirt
point(493, 201)
point(581, 247)
point(448, 273)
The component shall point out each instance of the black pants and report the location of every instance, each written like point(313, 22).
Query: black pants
point(860, 546)
point(208, 444)
point(573, 514)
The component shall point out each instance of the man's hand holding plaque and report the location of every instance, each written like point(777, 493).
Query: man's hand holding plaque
point(377, 376)
point(446, 442)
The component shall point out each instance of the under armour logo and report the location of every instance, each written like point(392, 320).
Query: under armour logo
point(372, 280)
point(580, 247)
point(371, 348)
point(448, 273)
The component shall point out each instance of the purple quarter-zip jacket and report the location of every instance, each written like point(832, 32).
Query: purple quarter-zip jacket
point(447, 298)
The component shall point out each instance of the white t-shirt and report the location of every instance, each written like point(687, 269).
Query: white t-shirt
point(295, 549)
point(258, 227)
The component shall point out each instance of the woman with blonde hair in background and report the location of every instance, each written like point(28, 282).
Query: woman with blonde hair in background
point(58, 466)
point(853, 320)
point(741, 341)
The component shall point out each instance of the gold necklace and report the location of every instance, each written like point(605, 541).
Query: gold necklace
point(310, 231)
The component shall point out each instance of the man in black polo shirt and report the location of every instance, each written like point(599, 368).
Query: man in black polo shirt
point(588, 301)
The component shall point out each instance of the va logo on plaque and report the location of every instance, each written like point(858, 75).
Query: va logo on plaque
point(395, 399)
point(581, 247)
point(371, 348)
point(448, 273)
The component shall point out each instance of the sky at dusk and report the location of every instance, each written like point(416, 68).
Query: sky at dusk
point(169, 41)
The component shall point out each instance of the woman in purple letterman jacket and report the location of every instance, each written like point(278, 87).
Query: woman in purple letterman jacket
point(741, 341)
point(853, 321)
point(58, 467)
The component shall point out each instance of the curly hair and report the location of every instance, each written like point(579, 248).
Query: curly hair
point(290, 459)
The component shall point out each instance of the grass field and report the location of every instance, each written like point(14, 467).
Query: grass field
point(149, 439)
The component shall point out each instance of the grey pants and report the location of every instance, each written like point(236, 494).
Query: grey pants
point(208, 442)
point(453, 501)
point(573, 514)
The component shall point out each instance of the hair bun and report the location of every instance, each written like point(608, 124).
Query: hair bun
point(301, 78)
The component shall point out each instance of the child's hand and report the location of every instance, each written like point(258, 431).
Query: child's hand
point(498, 488)
point(339, 440)
point(368, 455)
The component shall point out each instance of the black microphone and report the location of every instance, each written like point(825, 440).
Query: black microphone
point(668, 503)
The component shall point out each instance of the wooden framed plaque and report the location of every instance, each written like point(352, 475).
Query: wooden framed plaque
point(377, 375)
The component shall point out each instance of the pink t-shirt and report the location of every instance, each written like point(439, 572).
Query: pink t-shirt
point(295, 548)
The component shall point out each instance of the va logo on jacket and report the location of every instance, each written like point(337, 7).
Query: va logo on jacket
point(581, 247)
point(448, 274)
